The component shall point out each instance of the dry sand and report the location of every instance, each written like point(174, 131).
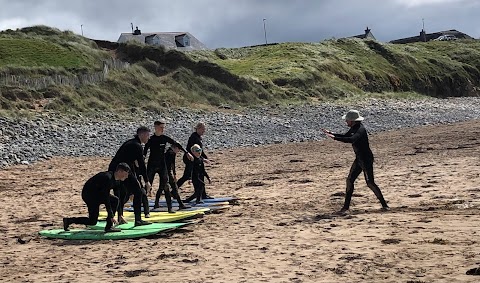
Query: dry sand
point(283, 230)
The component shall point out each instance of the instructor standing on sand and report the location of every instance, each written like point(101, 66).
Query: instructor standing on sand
point(358, 137)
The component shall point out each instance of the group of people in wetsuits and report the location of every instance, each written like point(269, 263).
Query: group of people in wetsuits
point(128, 175)
point(127, 170)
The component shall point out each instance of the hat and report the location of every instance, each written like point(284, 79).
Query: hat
point(196, 148)
point(352, 115)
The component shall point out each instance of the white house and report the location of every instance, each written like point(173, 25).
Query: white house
point(170, 40)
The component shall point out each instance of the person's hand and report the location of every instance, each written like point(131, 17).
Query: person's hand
point(136, 163)
point(328, 133)
point(189, 156)
point(206, 161)
point(114, 221)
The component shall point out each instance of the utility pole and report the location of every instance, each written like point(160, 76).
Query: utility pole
point(81, 27)
point(265, 31)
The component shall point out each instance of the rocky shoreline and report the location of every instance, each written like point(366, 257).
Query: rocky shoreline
point(44, 135)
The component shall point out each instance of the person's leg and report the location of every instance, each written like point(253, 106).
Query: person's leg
point(187, 173)
point(146, 205)
point(163, 187)
point(355, 170)
point(123, 195)
point(172, 185)
point(134, 188)
point(175, 193)
point(190, 198)
point(198, 186)
point(92, 219)
point(204, 194)
point(368, 173)
point(158, 195)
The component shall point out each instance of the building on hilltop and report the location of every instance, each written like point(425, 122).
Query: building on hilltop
point(367, 35)
point(441, 35)
point(170, 40)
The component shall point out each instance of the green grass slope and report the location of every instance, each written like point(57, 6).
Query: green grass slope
point(279, 73)
point(348, 67)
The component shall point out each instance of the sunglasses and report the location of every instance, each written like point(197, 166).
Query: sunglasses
point(198, 150)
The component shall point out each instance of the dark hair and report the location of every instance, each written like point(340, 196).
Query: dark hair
point(175, 145)
point(123, 166)
point(142, 129)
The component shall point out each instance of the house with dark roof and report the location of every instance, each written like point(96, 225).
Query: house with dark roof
point(424, 37)
point(184, 41)
point(366, 35)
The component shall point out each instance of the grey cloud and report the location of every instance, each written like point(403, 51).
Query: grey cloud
point(221, 23)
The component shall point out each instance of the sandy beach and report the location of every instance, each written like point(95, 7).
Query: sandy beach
point(283, 230)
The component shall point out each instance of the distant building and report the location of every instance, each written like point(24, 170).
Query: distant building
point(170, 40)
point(367, 35)
point(441, 35)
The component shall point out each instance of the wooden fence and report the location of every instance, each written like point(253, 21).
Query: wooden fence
point(74, 80)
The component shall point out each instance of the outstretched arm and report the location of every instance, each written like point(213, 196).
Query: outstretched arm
point(350, 136)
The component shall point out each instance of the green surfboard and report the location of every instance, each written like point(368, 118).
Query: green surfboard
point(89, 234)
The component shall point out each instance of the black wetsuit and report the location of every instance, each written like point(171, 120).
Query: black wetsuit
point(198, 179)
point(156, 164)
point(195, 138)
point(96, 191)
point(358, 137)
point(170, 157)
point(129, 152)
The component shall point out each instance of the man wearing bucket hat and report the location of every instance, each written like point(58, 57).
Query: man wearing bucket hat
point(358, 137)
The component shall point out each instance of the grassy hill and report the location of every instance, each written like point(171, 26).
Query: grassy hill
point(279, 73)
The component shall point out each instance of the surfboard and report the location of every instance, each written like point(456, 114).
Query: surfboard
point(194, 208)
point(89, 234)
point(163, 217)
point(130, 226)
point(175, 204)
point(165, 209)
point(213, 201)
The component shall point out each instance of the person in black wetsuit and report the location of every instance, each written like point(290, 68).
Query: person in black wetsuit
point(170, 157)
point(131, 152)
point(156, 161)
point(198, 175)
point(358, 137)
point(95, 192)
point(195, 138)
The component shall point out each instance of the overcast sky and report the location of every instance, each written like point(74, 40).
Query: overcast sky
point(235, 23)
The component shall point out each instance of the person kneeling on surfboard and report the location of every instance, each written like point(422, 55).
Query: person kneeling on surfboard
point(358, 137)
point(198, 175)
point(96, 191)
